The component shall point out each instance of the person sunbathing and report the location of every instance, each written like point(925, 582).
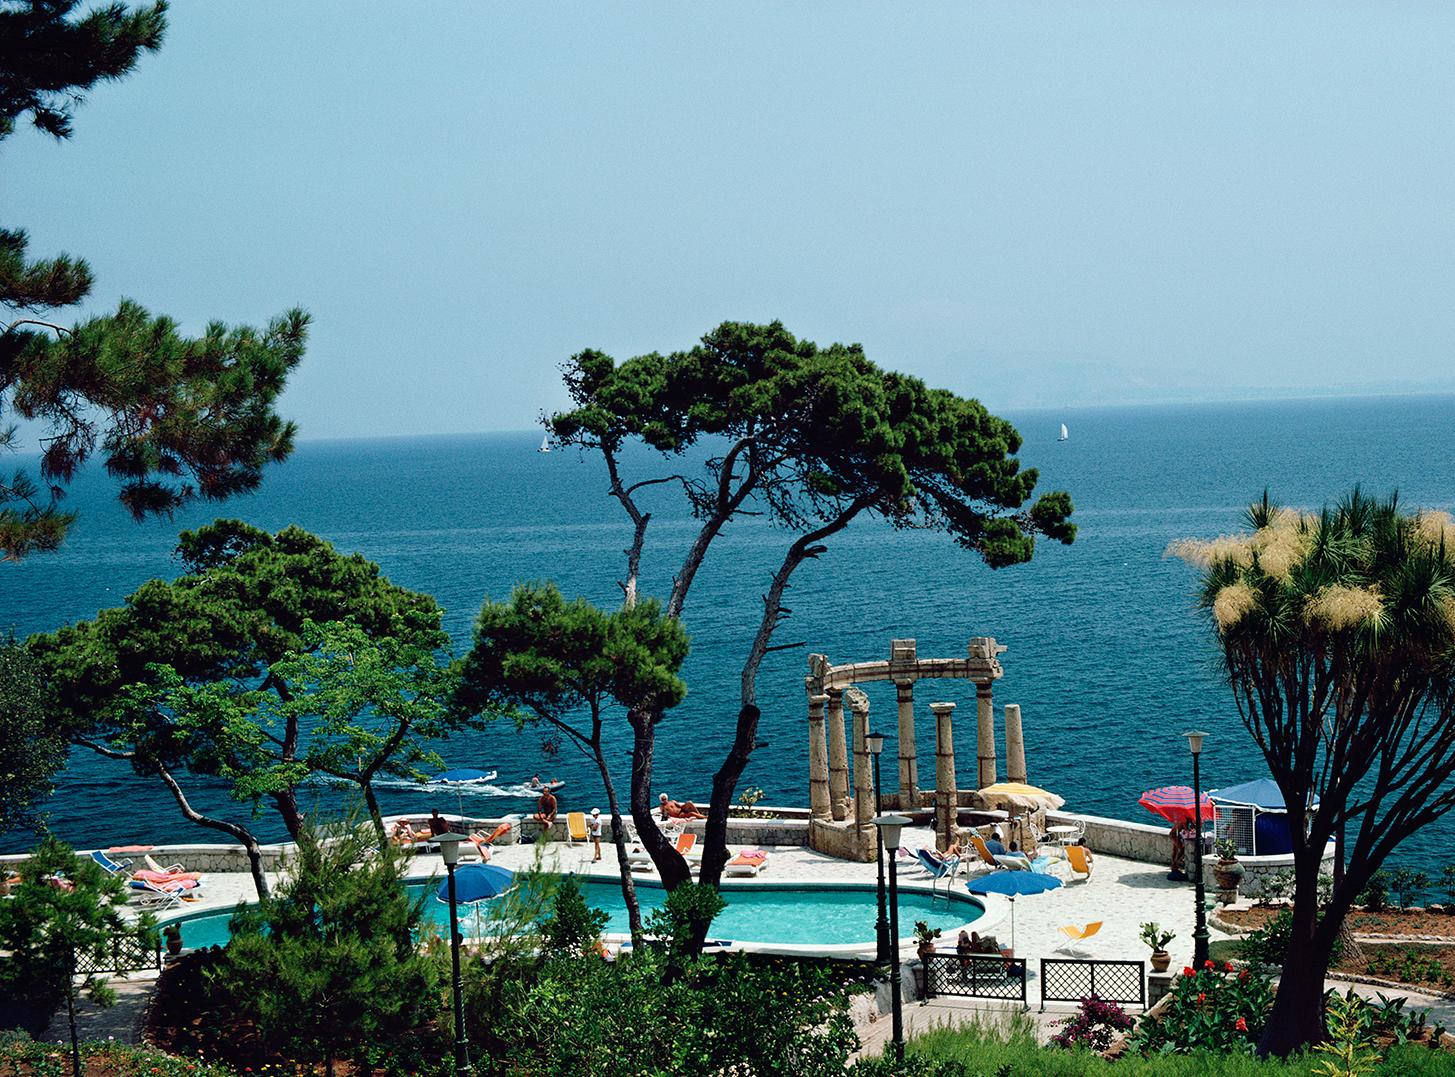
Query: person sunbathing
point(672, 809)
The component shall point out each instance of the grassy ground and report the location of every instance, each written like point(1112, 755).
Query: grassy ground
point(989, 1051)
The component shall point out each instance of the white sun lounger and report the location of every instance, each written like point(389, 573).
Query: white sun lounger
point(740, 867)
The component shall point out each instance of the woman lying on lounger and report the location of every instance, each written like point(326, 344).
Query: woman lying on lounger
point(672, 809)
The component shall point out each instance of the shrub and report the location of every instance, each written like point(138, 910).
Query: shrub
point(1349, 1051)
point(1094, 1026)
point(1212, 1009)
point(1375, 897)
point(1276, 887)
point(1268, 945)
point(1407, 884)
point(1410, 966)
point(1447, 886)
point(573, 926)
point(327, 967)
point(685, 916)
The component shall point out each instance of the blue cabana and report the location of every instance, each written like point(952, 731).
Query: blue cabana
point(1255, 817)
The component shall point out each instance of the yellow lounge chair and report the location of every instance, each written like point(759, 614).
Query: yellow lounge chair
point(1075, 936)
point(1080, 862)
point(983, 849)
point(576, 827)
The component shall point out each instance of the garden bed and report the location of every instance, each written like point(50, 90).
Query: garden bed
point(1410, 923)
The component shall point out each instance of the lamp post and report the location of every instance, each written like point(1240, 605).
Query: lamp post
point(1199, 933)
point(874, 742)
point(450, 850)
point(889, 828)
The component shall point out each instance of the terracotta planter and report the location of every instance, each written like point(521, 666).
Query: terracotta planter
point(926, 949)
point(1160, 960)
point(1228, 874)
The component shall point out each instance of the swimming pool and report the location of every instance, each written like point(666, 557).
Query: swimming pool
point(812, 916)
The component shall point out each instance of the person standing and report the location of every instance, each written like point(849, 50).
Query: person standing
point(595, 825)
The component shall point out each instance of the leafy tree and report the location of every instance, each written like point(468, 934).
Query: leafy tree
point(175, 417)
point(30, 749)
point(1338, 636)
point(193, 675)
point(573, 926)
point(565, 664)
point(328, 966)
point(814, 438)
point(64, 911)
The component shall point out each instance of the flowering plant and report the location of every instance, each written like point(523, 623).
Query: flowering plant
point(1214, 1008)
point(1093, 1025)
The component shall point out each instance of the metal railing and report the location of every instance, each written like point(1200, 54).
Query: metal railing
point(1073, 979)
point(124, 954)
point(975, 976)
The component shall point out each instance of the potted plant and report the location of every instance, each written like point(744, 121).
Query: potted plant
point(1227, 871)
point(1156, 937)
point(172, 936)
point(925, 936)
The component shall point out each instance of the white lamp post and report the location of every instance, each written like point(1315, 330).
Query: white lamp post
point(1199, 933)
point(874, 742)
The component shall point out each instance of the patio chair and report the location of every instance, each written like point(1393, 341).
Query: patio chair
point(148, 895)
point(482, 844)
point(112, 867)
point(576, 827)
point(1075, 936)
point(1080, 863)
point(748, 862)
point(1019, 862)
point(945, 868)
point(986, 856)
point(687, 846)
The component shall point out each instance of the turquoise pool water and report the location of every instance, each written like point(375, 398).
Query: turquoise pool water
point(769, 914)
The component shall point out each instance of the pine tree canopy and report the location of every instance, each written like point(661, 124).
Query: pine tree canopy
point(174, 417)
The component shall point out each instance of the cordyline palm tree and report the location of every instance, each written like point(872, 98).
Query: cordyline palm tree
point(1338, 633)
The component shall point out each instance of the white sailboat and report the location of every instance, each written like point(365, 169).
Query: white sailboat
point(546, 443)
point(1064, 433)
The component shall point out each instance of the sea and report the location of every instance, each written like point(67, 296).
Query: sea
point(1107, 655)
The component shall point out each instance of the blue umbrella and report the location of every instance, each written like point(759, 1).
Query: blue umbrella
point(1011, 883)
point(476, 882)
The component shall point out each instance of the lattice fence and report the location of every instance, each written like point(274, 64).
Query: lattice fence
point(124, 954)
point(975, 976)
point(1071, 980)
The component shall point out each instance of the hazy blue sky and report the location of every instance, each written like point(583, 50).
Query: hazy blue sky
point(1027, 203)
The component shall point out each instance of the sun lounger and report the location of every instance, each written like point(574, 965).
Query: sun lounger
point(1080, 863)
point(576, 827)
point(1075, 936)
point(1018, 862)
point(983, 850)
point(748, 862)
point(687, 846)
point(147, 895)
point(111, 867)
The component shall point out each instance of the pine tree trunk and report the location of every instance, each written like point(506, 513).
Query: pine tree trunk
point(670, 864)
point(618, 827)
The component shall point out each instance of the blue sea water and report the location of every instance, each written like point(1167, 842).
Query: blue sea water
point(1107, 656)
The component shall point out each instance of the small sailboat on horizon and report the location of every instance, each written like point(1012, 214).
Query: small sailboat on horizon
point(1064, 433)
point(546, 443)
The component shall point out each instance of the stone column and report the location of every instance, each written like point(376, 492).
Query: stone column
point(818, 759)
point(1015, 746)
point(908, 764)
point(863, 775)
point(946, 793)
point(985, 712)
point(838, 755)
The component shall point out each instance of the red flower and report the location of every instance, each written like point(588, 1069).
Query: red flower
point(1241, 1025)
point(1202, 996)
point(1187, 970)
point(1243, 976)
point(1209, 964)
point(1227, 966)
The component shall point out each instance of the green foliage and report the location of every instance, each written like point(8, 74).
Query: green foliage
point(685, 916)
point(63, 909)
point(1337, 632)
point(1267, 946)
point(1210, 1009)
point(1226, 848)
point(1277, 887)
point(1349, 1050)
point(1447, 886)
point(1407, 964)
point(272, 658)
point(1095, 1025)
point(717, 1015)
point(923, 933)
point(984, 1050)
point(573, 926)
point(329, 964)
point(547, 657)
point(1156, 936)
point(20, 1054)
point(828, 429)
point(1407, 884)
point(1375, 895)
point(31, 749)
point(175, 417)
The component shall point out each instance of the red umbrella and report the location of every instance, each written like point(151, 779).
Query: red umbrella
point(1174, 803)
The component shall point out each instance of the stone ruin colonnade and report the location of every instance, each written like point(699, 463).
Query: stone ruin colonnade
point(840, 823)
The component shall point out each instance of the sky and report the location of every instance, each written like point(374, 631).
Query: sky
point(1037, 205)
